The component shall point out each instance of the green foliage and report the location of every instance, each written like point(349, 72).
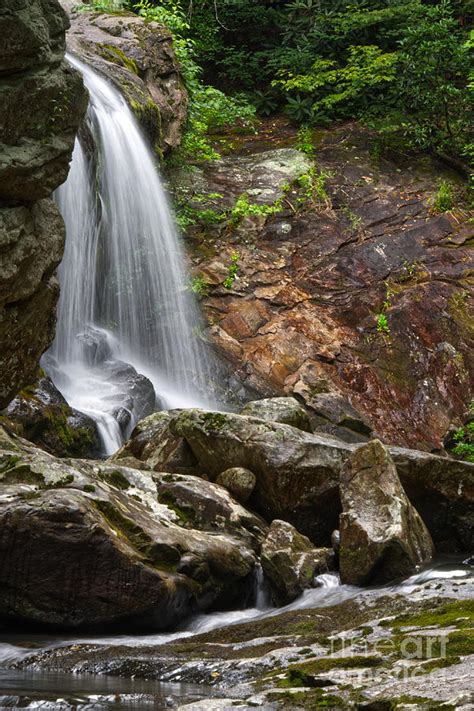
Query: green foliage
point(200, 286)
point(382, 324)
point(304, 141)
point(232, 271)
point(312, 186)
point(464, 440)
point(444, 198)
point(243, 208)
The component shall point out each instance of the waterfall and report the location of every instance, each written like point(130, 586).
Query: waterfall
point(125, 299)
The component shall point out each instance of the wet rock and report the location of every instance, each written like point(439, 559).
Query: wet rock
point(138, 57)
point(302, 316)
point(290, 562)
point(286, 410)
point(153, 443)
point(239, 481)
point(35, 150)
point(297, 473)
point(41, 414)
point(382, 535)
point(95, 543)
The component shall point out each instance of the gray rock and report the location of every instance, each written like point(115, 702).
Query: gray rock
point(290, 562)
point(382, 535)
point(239, 481)
point(298, 474)
point(41, 414)
point(96, 544)
point(138, 57)
point(286, 410)
point(35, 150)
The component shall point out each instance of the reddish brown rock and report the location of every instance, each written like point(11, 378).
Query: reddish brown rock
point(325, 273)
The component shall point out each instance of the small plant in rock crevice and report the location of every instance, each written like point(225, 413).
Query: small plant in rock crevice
point(232, 271)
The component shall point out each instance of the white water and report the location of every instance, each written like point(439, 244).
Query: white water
point(124, 293)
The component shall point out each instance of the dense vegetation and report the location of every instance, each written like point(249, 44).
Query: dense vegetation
point(401, 66)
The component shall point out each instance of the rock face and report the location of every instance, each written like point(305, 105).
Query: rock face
point(239, 481)
point(302, 316)
point(35, 150)
point(297, 473)
point(41, 414)
point(138, 57)
point(85, 543)
point(286, 410)
point(382, 535)
point(290, 562)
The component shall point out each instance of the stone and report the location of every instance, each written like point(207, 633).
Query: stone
point(138, 57)
point(298, 473)
point(35, 150)
point(301, 319)
point(40, 414)
point(95, 543)
point(286, 410)
point(290, 562)
point(239, 481)
point(382, 536)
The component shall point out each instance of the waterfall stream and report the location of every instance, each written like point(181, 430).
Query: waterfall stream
point(125, 309)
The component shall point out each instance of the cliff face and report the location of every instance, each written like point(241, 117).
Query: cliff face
point(42, 102)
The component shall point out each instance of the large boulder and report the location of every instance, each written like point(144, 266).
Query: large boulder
point(290, 562)
point(298, 473)
point(138, 57)
point(286, 410)
point(35, 150)
point(40, 414)
point(84, 543)
point(382, 535)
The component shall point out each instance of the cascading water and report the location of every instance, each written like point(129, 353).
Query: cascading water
point(124, 296)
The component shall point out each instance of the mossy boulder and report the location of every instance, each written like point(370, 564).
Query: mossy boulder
point(382, 535)
point(290, 562)
point(239, 481)
point(40, 414)
point(138, 57)
point(97, 543)
point(286, 410)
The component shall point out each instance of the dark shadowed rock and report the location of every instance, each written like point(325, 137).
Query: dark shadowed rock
point(41, 415)
point(290, 562)
point(85, 543)
point(286, 410)
point(239, 481)
point(35, 150)
point(382, 535)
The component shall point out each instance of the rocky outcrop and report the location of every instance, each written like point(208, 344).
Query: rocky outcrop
point(382, 536)
point(84, 543)
point(290, 562)
point(138, 57)
point(286, 410)
point(297, 473)
point(41, 415)
point(350, 289)
point(35, 151)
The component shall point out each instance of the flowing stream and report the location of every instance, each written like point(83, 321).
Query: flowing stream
point(125, 299)
point(102, 690)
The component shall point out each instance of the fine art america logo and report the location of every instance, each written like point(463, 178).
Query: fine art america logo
point(412, 655)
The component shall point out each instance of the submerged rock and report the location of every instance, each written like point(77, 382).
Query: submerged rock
point(290, 562)
point(239, 481)
point(84, 543)
point(382, 536)
point(286, 410)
